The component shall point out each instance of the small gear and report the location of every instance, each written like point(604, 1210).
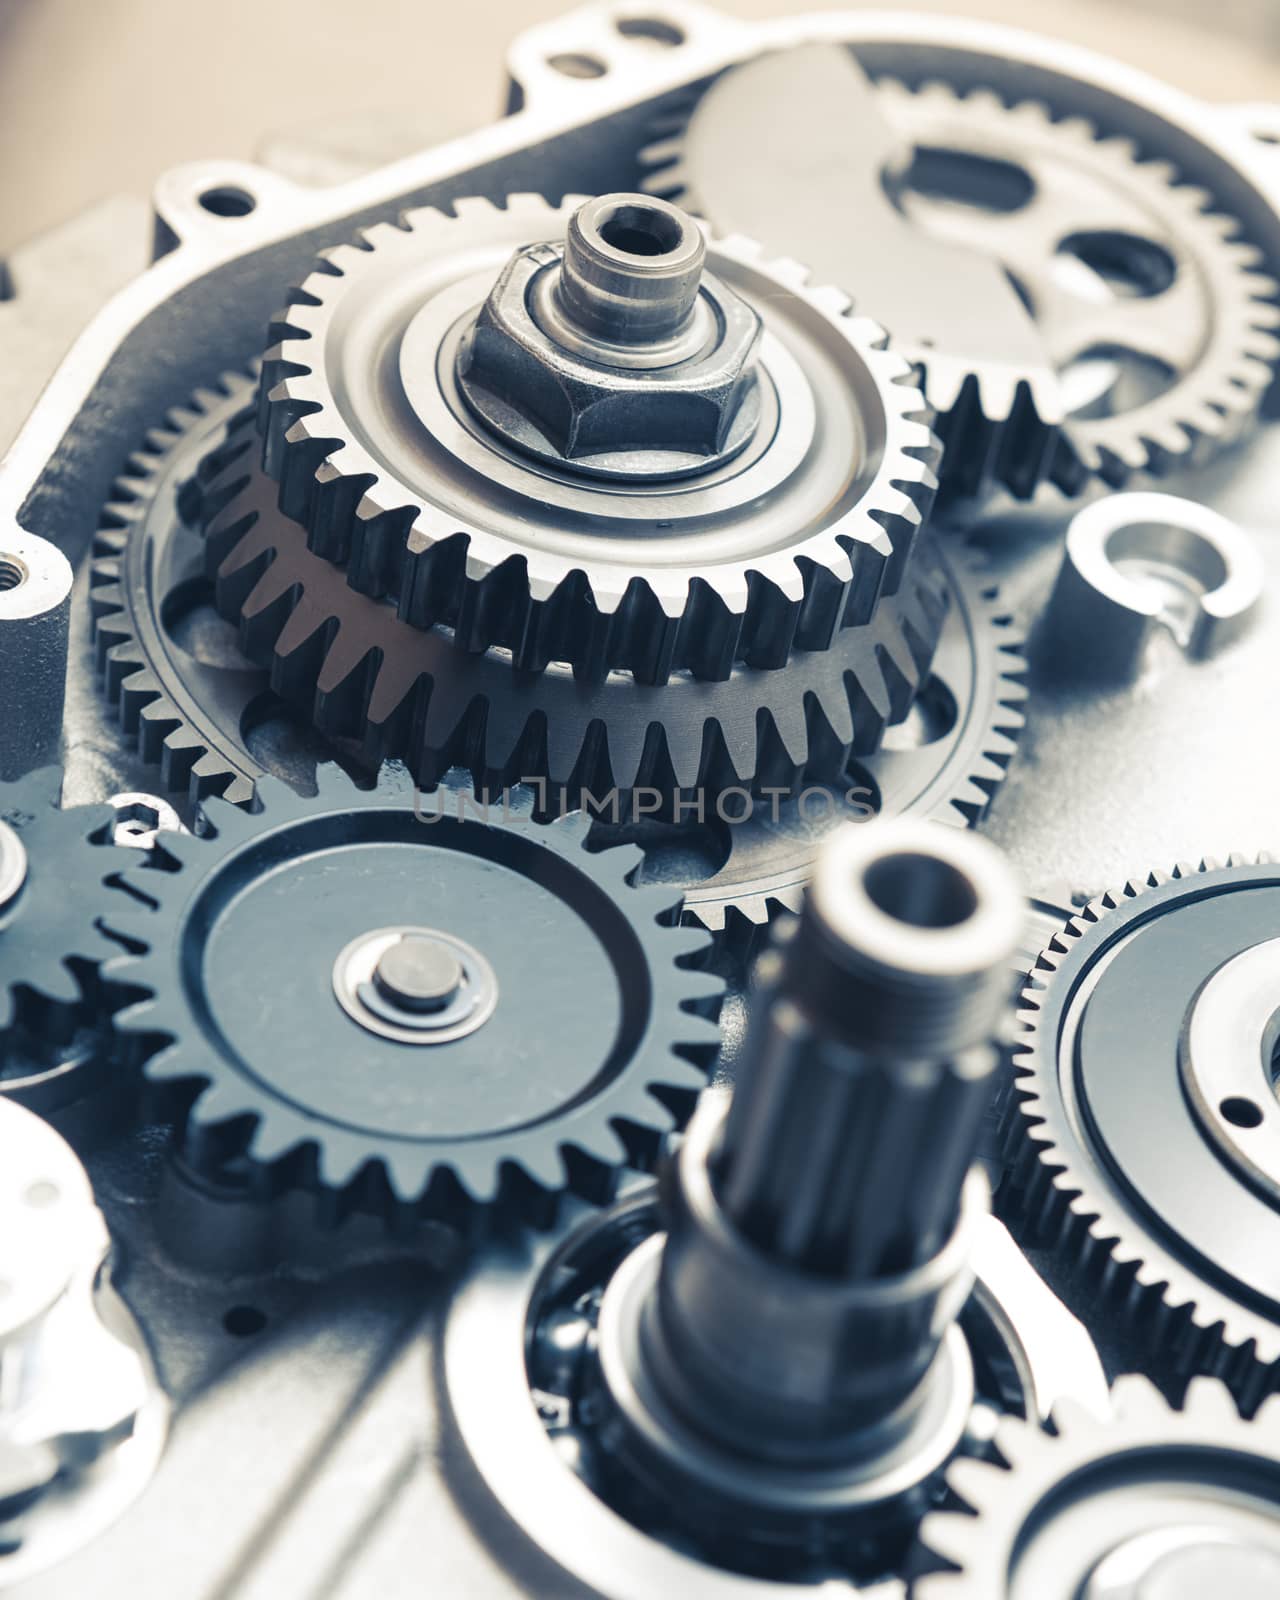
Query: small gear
point(396, 481)
point(944, 761)
point(407, 693)
point(1143, 1132)
point(182, 691)
point(53, 894)
point(393, 1001)
point(1156, 314)
point(1152, 1501)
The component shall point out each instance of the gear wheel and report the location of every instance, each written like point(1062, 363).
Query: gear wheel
point(1154, 311)
point(53, 894)
point(1141, 1147)
point(183, 697)
point(1156, 314)
point(778, 550)
point(410, 693)
point(1152, 1501)
point(327, 1039)
point(944, 762)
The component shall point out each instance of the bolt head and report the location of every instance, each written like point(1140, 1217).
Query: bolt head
point(581, 401)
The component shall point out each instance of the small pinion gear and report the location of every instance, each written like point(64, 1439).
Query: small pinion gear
point(575, 1033)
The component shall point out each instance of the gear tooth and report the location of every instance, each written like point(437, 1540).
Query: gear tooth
point(975, 1482)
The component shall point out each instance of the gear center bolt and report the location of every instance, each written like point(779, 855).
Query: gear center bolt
point(616, 354)
point(415, 985)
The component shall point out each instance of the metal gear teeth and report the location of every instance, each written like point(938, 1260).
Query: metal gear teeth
point(148, 715)
point(226, 1117)
point(993, 426)
point(50, 942)
point(738, 922)
point(1003, 1502)
point(401, 692)
point(540, 605)
point(1200, 413)
point(992, 423)
point(1196, 1331)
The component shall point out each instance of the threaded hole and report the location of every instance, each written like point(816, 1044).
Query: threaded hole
point(920, 890)
point(13, 574)
point(641, 231)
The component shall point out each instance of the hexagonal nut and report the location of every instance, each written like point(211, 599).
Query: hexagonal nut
point(551, 399)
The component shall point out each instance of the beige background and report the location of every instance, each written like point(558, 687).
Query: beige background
point(98, 96)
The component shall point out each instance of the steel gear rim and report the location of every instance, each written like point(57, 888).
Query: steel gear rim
point(982, 1544)
point(951, 782)
point(411, 694)
point(139, 677)
point(238, 1116)
point(1059, 1189)
point(1201, 411)
point(998, 423)
point(548, 605)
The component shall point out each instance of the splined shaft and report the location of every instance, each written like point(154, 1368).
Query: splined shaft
point(864, 1082)
point(819, 1225)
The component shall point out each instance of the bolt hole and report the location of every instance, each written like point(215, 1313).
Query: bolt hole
point(642, 231)
point(228, 201)
point(920, 890)
point(571, 65)
point(42, 1194)
point(651, 30)
point(1241, 1113)
point(13, 574)
point(243, 1322)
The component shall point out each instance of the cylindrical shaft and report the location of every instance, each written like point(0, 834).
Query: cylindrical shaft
point(632, 267)
point(811, 1272)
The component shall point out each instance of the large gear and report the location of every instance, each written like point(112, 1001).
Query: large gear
point(1156, 314)
point(53, 870)
point(412, 694)
point(328, 1039)
point(778, 549)
point(1151, 1501)
point(943, 762)
point(1130, 1134)
point(1139, 285)
point(184, 700)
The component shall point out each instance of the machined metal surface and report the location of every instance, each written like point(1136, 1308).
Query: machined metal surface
point(1133, 562)
point(1152, 1501)
point(528, 1460)
point(1164, 1182)
point(82, 1420)
point(332, 1402)
point(780, 547)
